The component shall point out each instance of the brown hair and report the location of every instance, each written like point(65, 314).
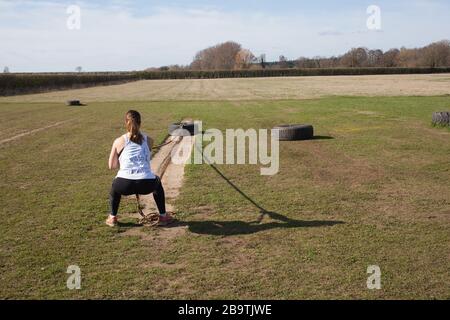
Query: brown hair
point(133, 125)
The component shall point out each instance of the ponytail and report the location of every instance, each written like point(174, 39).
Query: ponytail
point(133, 125)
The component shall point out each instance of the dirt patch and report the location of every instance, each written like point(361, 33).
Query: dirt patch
point(30, 132)
point(367, 113)
point(407, 201)
point(160, 237)
point(330, 166)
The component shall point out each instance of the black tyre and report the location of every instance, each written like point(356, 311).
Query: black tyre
point(441, 118)
point(183, 129)
point(295, 132)
point(73, 103)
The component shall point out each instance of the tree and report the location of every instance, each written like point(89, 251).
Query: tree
point(6, 69)
point(390, 58)
point(244, 59)
point(78, 69)
point(219, 57)
point(355, 58)
point(302, 63)
point(375, 58)
point(230, 55)
point(408, 58)
point(283, 62)
point(437, 54)
point(262, 60)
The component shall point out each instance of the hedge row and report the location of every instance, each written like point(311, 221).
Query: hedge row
point(153, 75)
point(11, 84)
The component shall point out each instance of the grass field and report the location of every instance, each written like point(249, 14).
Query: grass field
point(376, 192)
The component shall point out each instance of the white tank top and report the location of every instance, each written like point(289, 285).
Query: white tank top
point(135, 160)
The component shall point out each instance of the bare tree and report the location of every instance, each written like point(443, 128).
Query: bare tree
point(390, 58)
point(375, 58)
point(355, 58)
point(244, 59)
point(230, 55)
point(437, 54)
point(409, 58)
point(219, 57)
point(262, 60)
point(283, 62)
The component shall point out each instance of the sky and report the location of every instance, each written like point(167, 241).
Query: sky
point(122, 35)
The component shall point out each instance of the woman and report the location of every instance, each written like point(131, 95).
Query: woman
point(131, 154)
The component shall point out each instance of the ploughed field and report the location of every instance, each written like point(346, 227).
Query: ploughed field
point(253, 89)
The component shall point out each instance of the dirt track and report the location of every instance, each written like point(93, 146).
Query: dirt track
point(172, 179)
point(254, 89)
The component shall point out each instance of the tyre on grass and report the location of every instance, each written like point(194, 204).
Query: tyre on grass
point(73, 103)
point(441, 119)
point(295, 132)
point(183, 129)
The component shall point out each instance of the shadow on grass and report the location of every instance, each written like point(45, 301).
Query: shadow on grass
point(128, 225)
point(231, 228)
point(323, 138)
point(227, 228)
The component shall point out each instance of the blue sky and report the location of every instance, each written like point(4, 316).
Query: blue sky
point(133, 35)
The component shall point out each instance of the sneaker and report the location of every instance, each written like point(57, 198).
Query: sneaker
point(165, 220)
point(111, 221)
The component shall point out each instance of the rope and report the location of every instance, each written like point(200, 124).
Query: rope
point(150, 220)
point(161, 145)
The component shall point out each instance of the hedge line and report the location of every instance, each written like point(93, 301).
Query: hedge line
point(11, 84)
point(153, 75)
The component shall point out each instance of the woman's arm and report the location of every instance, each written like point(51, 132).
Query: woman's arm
point(113, 162)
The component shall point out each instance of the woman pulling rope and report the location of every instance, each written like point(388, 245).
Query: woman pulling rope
point(131, 154)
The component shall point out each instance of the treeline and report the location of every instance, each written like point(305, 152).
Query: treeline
point(19, 83)
point(231, 56)
point(293, 72)
point(434, 55)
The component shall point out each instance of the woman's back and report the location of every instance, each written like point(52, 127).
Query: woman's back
point(135, 160)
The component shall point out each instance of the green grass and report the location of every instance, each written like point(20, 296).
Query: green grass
point(377, 193)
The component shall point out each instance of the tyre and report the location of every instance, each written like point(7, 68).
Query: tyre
point(295, 132)
point(183, 129)
point(441, 118)
point(73, 103)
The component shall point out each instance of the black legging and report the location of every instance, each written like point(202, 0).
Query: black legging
point(125, 187)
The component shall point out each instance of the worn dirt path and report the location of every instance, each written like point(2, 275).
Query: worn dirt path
point(172, 179)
